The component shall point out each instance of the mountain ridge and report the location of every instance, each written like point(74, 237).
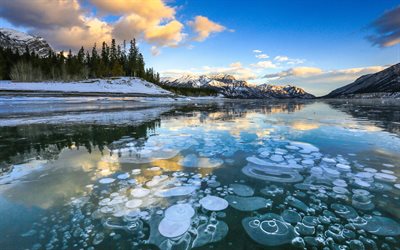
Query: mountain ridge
point(229, 86)
point(385, 83)
point(17, 40)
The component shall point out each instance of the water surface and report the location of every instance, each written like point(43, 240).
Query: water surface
point(132, 174)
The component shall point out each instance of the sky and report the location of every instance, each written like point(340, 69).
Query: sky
point(316, 45)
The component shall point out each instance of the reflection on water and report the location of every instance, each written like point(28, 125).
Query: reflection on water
point(241, 175)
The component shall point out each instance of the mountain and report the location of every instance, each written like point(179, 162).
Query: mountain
point(19, 40)
point(229, 86)
point(385, 83)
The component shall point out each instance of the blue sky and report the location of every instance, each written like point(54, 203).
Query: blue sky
point(317, 45)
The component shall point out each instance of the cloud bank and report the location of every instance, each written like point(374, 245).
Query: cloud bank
point(69, 24)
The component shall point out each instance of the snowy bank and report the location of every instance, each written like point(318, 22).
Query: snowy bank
point(123, 85)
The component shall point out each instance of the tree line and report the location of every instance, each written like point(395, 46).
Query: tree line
point(107, 61)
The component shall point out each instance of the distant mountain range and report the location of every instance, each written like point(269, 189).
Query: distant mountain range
point(229, 86)
point(17, 40)
point(385, 83)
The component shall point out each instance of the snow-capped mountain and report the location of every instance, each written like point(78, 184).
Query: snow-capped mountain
point(13, 39)
point(228, 86)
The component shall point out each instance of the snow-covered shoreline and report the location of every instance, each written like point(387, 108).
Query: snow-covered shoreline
point(123, 85)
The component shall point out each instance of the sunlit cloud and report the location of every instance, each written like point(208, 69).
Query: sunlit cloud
point(235, 69)
point(68, 24)
point(204, 27)
point(318, 81)
point(257, 51)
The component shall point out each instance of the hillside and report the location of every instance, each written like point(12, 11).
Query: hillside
point(17, 40)
point(385, 83)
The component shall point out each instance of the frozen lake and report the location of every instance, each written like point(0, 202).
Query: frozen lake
point(137, 173)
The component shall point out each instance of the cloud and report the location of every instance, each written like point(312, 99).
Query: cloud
point(42, 13)
point(281, 58)
point(262, 56)
point(289, 61)
point(387, 29)
point(149, 9)
point(155, 51)
point(318, 81)
point(299, 71)
point(204, 27)
point(93, 30)
point(264, 65)
point(151, 21)
point(236, 69)
point(257, 51)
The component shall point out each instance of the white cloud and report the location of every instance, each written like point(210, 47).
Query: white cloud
point(262, 56)
point(264, 65)
point(155, 51)
point(257, 51)
point(281, 58)
point(289, 61)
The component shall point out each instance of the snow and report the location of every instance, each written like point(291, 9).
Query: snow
point(125, 85)
point(16, 35)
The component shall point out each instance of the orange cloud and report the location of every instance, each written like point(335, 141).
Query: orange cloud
point(149, 9)
point(204, 27)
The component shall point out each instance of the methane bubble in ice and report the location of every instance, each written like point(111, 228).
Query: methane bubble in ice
point(382, 226)
point(242, 190)
point(306, 148)
point(173, 228)
point(362, 202)
point(269, 229)
point(140, 192)
point(123, 176)
point(211, 230)
point(344, 211)
point(213, 203)
point(176, 221)
point(247, 203)
point(175, 191)
point(182, 211)
point(292, 201)
point(291, 216)
point(257, 161)
point(106, 180)
point(275, 174)
point(272, 190)
point(133, 203)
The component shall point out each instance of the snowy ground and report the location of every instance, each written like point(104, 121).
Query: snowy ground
point(123, 85)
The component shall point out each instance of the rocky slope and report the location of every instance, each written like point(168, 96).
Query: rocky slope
point(230, 87)
point(385, 83)
point(19, 40)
